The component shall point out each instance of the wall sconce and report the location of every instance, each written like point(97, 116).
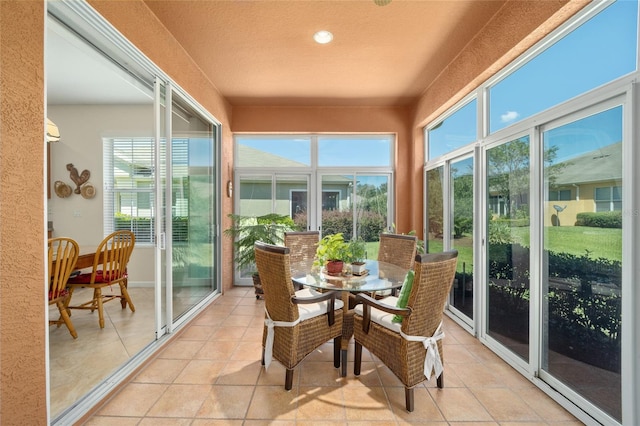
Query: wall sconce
point(229, 189)
point(53, 134)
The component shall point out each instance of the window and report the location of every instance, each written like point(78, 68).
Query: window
point(129, 188)
point(355, 151)
point(560, 195)
point(455, 131)
point(608, 199)
point(599, 51)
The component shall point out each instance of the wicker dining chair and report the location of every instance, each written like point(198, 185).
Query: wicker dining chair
point(399, 250)
point(109, 268)
point(302, 248)
point(296, 322)
point(63, 254)
point(399, 336)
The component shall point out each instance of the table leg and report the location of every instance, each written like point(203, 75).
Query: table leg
point(347, 332)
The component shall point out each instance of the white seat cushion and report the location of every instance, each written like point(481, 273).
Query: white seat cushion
point(312, 310)
point(381, 317)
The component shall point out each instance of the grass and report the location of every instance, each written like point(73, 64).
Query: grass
point(575, 240)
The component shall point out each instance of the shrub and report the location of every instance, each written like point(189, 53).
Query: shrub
point(600, 219)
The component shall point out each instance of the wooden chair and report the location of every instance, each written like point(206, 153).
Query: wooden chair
point(109, 268)
point(401, 346)
point(296, 322)
point(302, 247)
point(63, 254)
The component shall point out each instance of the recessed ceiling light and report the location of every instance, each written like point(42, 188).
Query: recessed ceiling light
point(323, 37)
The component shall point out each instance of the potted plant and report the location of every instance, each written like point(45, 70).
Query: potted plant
point(332, 252)
point(358, 253)
point(246, 230)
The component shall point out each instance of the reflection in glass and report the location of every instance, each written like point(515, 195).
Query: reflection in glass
point(354, 151)
point(435, 210)
point(273, 151)
point(462, 239)
point(602, 49)
point(192, 208)
point(337, 205)
point(372, 195)
point(508, 245)
point(455, 131)
point(583, 257)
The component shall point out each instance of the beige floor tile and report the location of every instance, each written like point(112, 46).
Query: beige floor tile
point(161, 371)
point(228, 333)
point(219, 350)
point(217, 422)
point(226, 402)
point(504, 405)
point(156, 421)
point(321, 403)
point(318, 374)
point(211, 375)
point(367, 404)
point(459, 404)
point(201, 371)
point(425, 408)
point(546, 408)
point(240, 373)
point(273, 402)
point(247, 351)
point(182, 349)
point(134, 400)
point(112, 421)
point(180, 401)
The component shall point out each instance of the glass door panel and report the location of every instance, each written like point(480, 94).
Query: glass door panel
point(582, 265)
point(461, 181)
point(435, 210)
point(372, 210)
point(337, 205)
point(292, 198)
point(193, 207)
point(507, 308)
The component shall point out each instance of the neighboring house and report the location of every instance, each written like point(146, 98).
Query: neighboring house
point(590, 182)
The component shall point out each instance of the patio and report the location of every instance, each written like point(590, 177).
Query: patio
point(211, 374)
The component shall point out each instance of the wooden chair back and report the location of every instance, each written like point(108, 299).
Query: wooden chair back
point(112, 257)
point(63, 254)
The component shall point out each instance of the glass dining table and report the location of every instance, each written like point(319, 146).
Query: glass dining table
point(378, 277)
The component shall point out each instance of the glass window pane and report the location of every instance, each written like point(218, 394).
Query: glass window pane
point(508, 245)
point(582, 295)
point(453, 132)
point(462, 211)
point(273, 152)
point(363, 151)
point(435, 210)
point(597, 52)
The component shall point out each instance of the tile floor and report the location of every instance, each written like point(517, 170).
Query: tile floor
point(211, 374)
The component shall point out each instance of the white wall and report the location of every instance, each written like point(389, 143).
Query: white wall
point(82, 129)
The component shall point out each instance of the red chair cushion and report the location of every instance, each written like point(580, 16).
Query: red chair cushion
point(86, 278)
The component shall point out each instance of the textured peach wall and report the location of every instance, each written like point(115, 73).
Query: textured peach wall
point(22, 230)
point(159, 45)
point(347, 120)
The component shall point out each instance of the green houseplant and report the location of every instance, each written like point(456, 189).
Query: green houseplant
point(358, 253)
point(332, 252)
point(246, 230)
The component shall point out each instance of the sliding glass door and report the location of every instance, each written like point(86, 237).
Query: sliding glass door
point(507, 247)
point(582, 263)
point(191, 199)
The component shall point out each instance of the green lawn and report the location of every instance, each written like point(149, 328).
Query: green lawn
point(576, 240)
